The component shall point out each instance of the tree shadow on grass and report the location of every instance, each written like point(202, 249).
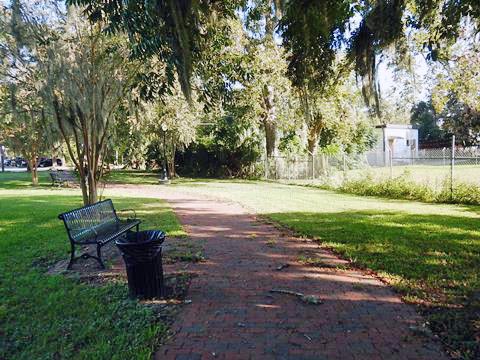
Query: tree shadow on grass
point(433, 260)
point(35, 308)
point(23, 180)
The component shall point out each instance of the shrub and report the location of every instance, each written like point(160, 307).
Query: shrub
point(397, 188)
point(463, 193)
point(230, 148)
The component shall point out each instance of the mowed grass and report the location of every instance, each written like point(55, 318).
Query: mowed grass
point(147, 177)
point(142, 177)
point(430, 253)
point(22, 180)
point(54, 317)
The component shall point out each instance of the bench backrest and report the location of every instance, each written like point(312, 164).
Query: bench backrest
point(63, 176)
point(85, 223)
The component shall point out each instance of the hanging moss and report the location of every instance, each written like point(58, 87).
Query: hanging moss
point(382, 25)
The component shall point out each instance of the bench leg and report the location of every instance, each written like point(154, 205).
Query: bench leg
point(99, 257)
point(72, 257)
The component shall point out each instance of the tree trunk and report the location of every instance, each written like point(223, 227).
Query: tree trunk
point(92, 193)
point(314, 122)
point(269, 122)
point(92, 182)
point(33, 170)
point(83, 186)
point(270, 137)
point(269, 119)
point(312, 142)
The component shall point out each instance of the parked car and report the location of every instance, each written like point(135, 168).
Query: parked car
point(45, 163)
point(20, 162)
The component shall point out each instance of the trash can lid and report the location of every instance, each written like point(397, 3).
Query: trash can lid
point(141, 238)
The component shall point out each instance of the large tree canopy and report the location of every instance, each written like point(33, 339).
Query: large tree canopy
point(180, 32)
point(177, 31)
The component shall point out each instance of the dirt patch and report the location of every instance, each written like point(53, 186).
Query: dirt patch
point(88, 267)
point(173, 250)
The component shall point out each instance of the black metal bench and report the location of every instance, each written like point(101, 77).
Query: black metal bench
point(62, 177)
point(96, 224)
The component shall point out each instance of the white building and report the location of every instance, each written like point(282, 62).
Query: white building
point(399, 142)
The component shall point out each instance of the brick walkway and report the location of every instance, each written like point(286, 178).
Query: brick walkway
point(233, 315)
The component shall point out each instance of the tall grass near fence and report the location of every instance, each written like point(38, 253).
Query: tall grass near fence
point(444, 175)
point(403, 187)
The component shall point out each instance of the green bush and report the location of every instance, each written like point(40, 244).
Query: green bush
point(463, 193)
point(397, 188)
point(230, 148)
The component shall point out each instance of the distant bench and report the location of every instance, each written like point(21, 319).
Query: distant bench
point(63, 177)
point(96, 224)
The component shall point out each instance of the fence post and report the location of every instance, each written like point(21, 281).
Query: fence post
point(390, 158)
point(452, 166)
point(288, 166)
point(313, 166)
point(344, 167)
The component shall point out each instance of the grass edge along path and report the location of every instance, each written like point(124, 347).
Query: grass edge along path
point(50, 316)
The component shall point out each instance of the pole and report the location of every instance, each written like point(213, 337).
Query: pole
point(390, 158)
point(164, 156)
point(2, 150)
point(452, 165)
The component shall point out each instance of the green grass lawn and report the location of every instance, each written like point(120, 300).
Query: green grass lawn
point(54, 317)
point(132, 177)
point(22, 180)
point(428, 252)
point(147, 177)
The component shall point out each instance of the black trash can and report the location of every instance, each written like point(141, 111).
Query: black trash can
point(142, 253)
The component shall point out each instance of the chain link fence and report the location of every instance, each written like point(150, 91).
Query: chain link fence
point(435, 167)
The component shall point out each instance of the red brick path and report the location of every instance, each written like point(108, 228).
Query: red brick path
point(234, 316)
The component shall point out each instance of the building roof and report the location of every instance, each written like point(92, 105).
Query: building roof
point(394, 126)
